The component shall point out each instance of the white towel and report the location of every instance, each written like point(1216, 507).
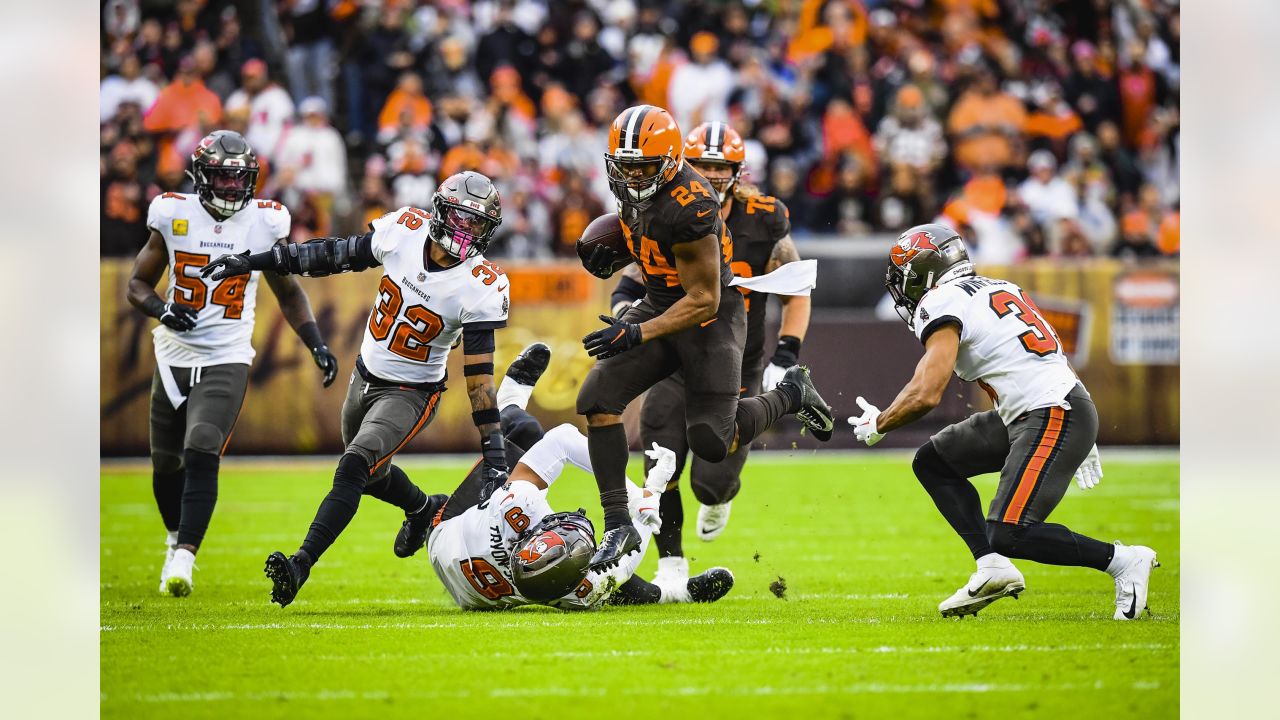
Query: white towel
point(176, 398)
point(794, 278)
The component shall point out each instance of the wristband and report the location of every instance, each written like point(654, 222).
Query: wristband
point(477, 369)
point(487, 416)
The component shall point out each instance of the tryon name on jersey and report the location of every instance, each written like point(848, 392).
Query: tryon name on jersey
point(192, 237)
point(1006, 345)
point(418, 313)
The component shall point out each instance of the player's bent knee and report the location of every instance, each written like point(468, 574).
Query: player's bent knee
point(1004, 537)
point(352, 469)
point(926, 463)
point(206, 438)
point(706, 443)
point(163, 463)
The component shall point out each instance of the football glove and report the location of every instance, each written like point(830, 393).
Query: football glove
point(600, 262)
point(664, 467)
point(616, 337)
point(327, 363)
point(1089, 474)
point(864, 426)
point(178, 317)
point(228, 266)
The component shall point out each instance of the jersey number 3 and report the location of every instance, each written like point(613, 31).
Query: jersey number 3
point(411, 337)
point(1040, 338)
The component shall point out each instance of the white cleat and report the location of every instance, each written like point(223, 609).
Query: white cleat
point(985, 586)
point(177, 580)
point(170, 545)
point(672, 579)
point(712, 520)
point(1131, 566)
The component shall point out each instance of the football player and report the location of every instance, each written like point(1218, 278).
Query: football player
point(761, 230)
point(504, 547)
point(436, 286)
point(203, 344)
point(1041, 432)
point(670, 216)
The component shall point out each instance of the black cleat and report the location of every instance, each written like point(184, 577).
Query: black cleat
point(616, 543)
point(287, 574)
point(711, 585)
point(814, 412)
point(413, 532)
point(530, 364)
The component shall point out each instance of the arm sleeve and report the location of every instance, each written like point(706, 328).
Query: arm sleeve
point(628, 290)
point(695, 221)
point(477, 339)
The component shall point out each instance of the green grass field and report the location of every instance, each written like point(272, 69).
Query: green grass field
point(865, 556)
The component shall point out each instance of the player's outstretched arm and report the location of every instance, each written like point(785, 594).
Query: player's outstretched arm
point(141, 291)
point(297, 310)
point(924, 391)
point(314, 258)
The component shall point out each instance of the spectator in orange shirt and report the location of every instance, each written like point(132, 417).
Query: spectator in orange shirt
point(407, 96)
point(184, 104)
point(843, 132)
point(986, 126)
point(1053, 122)
point(1168, 238)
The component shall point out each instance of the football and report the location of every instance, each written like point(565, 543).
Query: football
point(605, 230)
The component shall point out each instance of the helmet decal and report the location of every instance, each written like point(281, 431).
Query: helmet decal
point(540, 546)
point(908, 247)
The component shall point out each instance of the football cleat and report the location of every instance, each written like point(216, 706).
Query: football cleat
point(170, 545)
point(529, 365)
point(177, 579)
point(287, 574)
point(814, 412)
point(711, 585)
point(985, 586)
point(615, 543)
point(1131, 566)
point(712, 520)
point(415, 528)
point(672, 579)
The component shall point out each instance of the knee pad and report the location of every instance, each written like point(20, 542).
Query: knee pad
point(706, 443)
point(206, 438)
point(354, 470)
point(1004, 537)
point(163, 463)
point(928, 465)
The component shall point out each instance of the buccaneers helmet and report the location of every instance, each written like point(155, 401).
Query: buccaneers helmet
point(552, 558)
point(645, 152)
point(465, 213)
point(224, 171)
point(923, 258)
point(715, 143)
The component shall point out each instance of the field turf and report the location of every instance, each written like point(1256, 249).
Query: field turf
point(864, 555)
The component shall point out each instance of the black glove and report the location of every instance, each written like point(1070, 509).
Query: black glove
point(326, 361)
point(228, 266)
point(788, 352)
point(494, 471)
point(600, 262)
point(174, 315)
point(616, 337)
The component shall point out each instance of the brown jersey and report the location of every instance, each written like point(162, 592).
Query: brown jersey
point(685, 209)
point(756, 225)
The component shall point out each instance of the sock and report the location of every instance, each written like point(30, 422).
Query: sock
point(396, 488)
point(670, 541)
point(1050, 544)
point(607, 446)
point(167, 487)
point(199, 495)
point(993, 560)
point(759, 413)
point(636, 591)
point(1119, 560)
point(511, 392)
point(956, 498)
point(171, 538)
point(338, 507)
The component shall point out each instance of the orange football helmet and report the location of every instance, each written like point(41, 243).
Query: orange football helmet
point(715, 143)
point(644, 152)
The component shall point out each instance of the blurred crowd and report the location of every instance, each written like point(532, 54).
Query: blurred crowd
point(1036, 127)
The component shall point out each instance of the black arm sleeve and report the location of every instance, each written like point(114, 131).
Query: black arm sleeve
point(627, 291)
point(319, 257)
point(477, 338)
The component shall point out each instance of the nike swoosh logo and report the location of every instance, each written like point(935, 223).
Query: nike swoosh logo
point(504, 287)
point(974, 593)
point(1133, 604)
point(704, 213)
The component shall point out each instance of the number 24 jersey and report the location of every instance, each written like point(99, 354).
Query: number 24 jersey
point(419, 313)
point(1006, 345)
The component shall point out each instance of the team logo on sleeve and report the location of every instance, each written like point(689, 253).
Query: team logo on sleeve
point(908, 247)
point(540, 546)
point(179, 227)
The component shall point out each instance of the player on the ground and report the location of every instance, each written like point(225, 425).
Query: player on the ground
point(203, 344)
point(1041, 432)
point(436, 286)
point(670, 216)
point(504, 547)
point(760, 226)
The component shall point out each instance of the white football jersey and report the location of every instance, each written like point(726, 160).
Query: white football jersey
point(1006, 345)
point(224, 327)
point(418, 314)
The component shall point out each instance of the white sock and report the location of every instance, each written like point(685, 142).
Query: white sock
point(1119, 560)
point(511, 392)
point(171, 539)
point(993, 560)
point(674, 565)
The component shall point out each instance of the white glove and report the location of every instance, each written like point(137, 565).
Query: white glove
point(772, 376)
point(864, 426)
point(647, 511)
point(664, 467)
point(1089, 473)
